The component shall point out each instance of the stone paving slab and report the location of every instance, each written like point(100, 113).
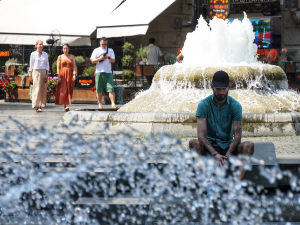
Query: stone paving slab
point(285, 146)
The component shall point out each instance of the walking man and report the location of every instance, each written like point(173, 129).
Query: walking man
point(155, 52)
point(219, 119)
point(103, 57)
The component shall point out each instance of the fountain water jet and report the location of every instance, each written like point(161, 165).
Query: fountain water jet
point(178, 88)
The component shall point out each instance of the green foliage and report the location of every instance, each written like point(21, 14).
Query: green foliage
point(170, 58)
point(291, 53)
point(146, 86)
point(79, 59)
point(88, 71)
point(127, 61)
point(143, 52)
point(128, 48)
point(51, 86)
point(20, 70)
point(127, 75)
point(11, 62)
point(7, 85)
point(54, 67)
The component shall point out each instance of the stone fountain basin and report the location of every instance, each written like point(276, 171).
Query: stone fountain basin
point(181, 72)
point(259, 88)
point(177, 124)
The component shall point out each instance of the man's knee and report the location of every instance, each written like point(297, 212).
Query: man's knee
point(193, 143)
point(248, 148)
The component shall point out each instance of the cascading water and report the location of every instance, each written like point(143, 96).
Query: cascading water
point(43, 174)
point(260, 88)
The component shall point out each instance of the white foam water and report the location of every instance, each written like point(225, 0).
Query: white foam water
point(220, 43)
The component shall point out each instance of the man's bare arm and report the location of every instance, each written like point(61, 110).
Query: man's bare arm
point(94, 61)
point(201, 131)
point(237, 135)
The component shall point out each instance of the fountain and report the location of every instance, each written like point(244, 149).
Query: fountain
point(64, 177)
point(269, 107)
point(260, 88)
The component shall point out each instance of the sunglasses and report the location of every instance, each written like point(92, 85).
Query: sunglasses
point(103, 44)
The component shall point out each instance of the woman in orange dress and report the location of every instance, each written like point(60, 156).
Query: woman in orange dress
point(66, 79)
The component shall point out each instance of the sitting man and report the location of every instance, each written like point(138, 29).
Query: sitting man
point(219, 118)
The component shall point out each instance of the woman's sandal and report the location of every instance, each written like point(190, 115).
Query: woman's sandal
point(39, 110)
point(66, 109)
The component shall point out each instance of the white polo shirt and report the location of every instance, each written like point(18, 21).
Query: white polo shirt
point(105, 65)
point(155, 52)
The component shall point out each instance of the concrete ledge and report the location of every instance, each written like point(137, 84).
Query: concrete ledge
point(288, 159)
point(177, 124)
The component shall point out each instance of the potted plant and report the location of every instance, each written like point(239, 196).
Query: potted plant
point(54, 67)
point(127, 62)
point(128, 48)
point(127, 75)
point(87, 79)
point(51, 87)
point(10, 87)
point(80, 61)
point(142, 55)
point(290, 54)
point(141, 69)
point(170, 58)
point(88, 71)
point(22, 80)
point(10, 66)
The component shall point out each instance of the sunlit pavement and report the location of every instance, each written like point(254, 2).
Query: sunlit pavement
point(286, 147)
point(24, 113)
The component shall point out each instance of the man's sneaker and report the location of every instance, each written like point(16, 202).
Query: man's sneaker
point(114, 107)
point(100, 107)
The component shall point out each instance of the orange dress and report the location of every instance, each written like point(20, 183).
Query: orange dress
point(64, 90)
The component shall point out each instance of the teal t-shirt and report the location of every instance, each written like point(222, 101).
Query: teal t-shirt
point(219, 120)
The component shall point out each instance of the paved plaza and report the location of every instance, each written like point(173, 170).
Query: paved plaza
point(286, 147)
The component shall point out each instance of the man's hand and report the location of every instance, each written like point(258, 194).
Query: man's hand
point(221, 159)
point(102, 57)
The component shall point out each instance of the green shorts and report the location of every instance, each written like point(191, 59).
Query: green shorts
point(104, 80)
